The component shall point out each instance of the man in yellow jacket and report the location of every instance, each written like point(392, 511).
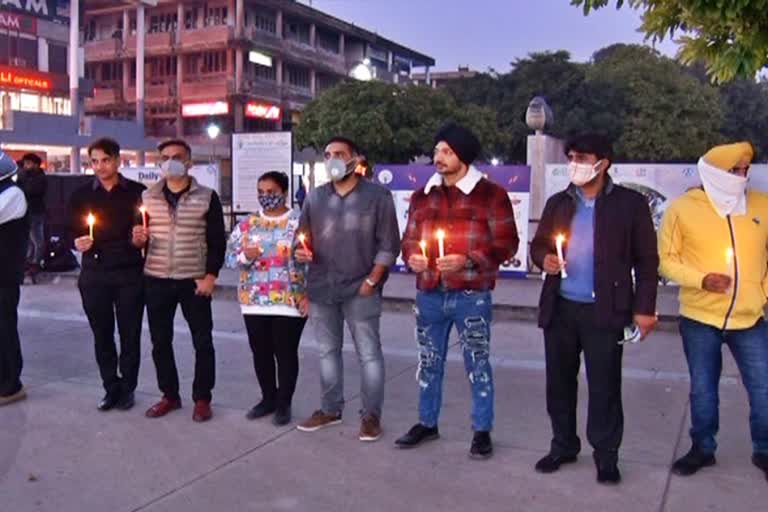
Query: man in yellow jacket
point(714, 243)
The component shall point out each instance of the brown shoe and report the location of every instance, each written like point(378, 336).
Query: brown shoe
point(370, 428)
point(163, 407)
point(319, 420)
point(16, 397)
point(202, 411)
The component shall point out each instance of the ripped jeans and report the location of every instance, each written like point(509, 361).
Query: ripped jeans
point(471, 311)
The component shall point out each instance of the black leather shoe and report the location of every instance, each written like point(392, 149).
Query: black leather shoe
point(761, 461)
point(482, 447)
point(608, 473)
point(126, 402)
point(692, 462)
point(551, 463)
point(282, 416)
point(108, 402)
point(417, 435)
point(260, 410)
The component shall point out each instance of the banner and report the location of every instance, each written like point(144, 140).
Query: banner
point(254, 154)
point(206, 175)
point(403, 180)
point(659, 183)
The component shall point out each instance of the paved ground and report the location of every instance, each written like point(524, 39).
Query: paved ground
point(57, 453)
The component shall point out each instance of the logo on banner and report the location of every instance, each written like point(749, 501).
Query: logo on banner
point(17, 23)
point(262, 111)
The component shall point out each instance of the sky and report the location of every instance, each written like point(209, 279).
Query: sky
point(490, 33)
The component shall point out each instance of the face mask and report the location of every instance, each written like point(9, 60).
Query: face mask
point(581, 174)
point(726, 192)
point(271, 201)
point(173, 169)
point(338, 169)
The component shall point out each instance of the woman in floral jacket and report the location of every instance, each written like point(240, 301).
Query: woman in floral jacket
point(272, 295)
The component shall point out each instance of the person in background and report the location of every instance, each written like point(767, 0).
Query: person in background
point(713, 242)
point(14, 235)
point(185, 243)
point(272, 295)
point(111, 281)
point(33, 182)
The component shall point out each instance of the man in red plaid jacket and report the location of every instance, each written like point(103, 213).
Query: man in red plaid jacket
point(456, 274)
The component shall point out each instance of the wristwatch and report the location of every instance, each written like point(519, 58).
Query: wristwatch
point(370, 283)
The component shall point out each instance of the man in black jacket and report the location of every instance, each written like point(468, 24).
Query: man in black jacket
point(14, 234)
point(33, 182)
point(588, 298)
point(111, 282)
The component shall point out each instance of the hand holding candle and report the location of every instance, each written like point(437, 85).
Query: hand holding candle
point(423, 245)
point(303, 254)
point(559, 245)
point(143, 210)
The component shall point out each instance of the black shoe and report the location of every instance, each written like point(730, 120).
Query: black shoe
point(417, 435)
point(552, 463)
point(482, 447)
point(260, 410)
point(692, 461)
point(126, 401)
point(761, 461)
point(282, 416)
point(608, 473)
point(108, 402)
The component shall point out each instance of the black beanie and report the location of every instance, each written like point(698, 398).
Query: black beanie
point(461, 140)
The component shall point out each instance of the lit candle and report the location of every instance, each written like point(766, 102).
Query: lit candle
point(91, 221)
point(423, 245)
point(440, 242)
point(729, 261)
point(143, 211)
point(303, 241)
point(559, 244)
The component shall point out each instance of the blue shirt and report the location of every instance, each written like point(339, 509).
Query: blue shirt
point(579, 286)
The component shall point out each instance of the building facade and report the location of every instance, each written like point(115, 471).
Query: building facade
point(439, 79)
point(39, 98)
point(244, 65)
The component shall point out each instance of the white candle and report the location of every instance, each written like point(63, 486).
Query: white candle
point(440, 242)
point(91, 221)
point(559, 244)
point(423, 245)
point(143, 211)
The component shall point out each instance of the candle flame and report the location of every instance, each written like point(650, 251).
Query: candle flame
point(142, 209)
point(302, 237)
point(423, 244)
point(729, 255)
point(91, 219)
point(560, 238)
point(440, 234)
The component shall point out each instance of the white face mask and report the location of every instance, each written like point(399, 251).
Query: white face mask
point(338, 169)
point(581, 174)
point(173, 169)
point(726, 192)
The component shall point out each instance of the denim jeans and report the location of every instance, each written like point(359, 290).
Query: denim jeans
point(470, 311)
point(362, 315)
point(36, 248)
point(703, 345)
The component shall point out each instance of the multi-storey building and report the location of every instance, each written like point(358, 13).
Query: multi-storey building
point(438, 79)
point(245, 65)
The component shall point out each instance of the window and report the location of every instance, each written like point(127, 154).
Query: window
point(190, 18)
point(191, 64)
point(328, 41)
point(325, 82)
point(297, 76)
point(262, 72)
point(296, 31)
point(111, 72)
point(214, 62)
point(216, 16)
point(18, 51)
point(164, 22)
point(57, 58)
point(265, 22)
point(161, 67)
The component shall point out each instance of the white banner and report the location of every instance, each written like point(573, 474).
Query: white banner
point(659, 183)
point(206, 175)
point(254, 154)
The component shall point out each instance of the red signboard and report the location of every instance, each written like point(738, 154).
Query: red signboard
point(17, 78)
point(17, 23)
point(214, 108)
point(262, 110)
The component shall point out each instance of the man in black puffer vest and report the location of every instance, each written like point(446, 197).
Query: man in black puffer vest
point(14, 236)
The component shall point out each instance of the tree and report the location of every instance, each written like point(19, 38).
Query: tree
point(745, 105)
point(730, 37)
point(391, 123)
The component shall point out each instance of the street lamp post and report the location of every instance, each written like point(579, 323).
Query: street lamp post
point(213, 132)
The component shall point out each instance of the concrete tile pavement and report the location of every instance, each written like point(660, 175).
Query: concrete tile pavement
point(58, 453)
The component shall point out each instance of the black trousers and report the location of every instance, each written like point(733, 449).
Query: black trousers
point(573, 330)
point(106, 297)
point(11, 361)
point(274, 342)
point(163, 296)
